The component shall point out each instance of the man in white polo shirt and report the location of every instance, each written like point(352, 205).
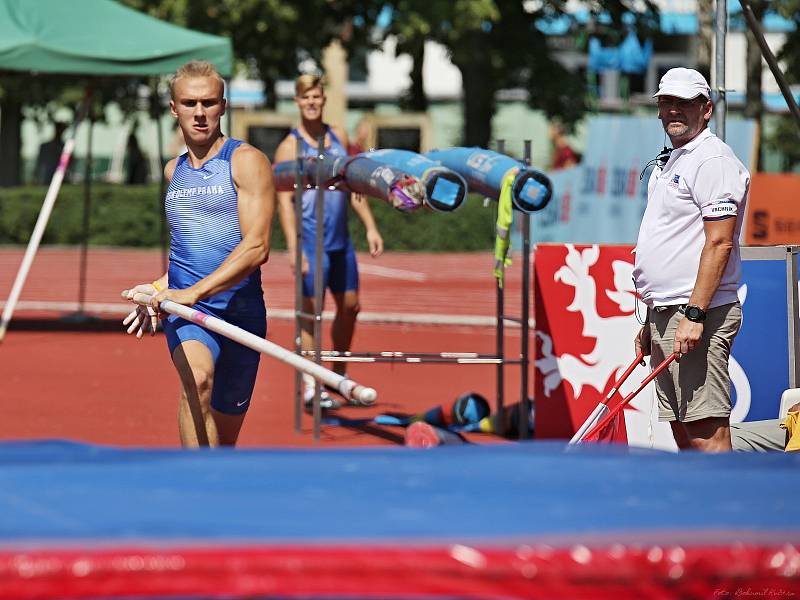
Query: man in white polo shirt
point(688, 265)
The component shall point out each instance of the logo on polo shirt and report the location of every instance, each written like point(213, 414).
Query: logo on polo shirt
point(676, 179)
point(723, 207)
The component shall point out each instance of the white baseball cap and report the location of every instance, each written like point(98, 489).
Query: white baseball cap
point(683, 83)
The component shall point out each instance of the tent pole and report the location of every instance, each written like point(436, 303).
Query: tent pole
point(41, 221)
point(156, 112)
point(162, 184)
point(228, 108)
point(87, 209)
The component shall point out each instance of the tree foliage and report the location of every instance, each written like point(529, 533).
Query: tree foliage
point(498, 44)
point(785, 137)
point(272, 38)
point(790, 52)
point(129, 215)
point(40, 97)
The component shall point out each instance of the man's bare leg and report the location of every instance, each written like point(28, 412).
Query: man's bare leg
point(712, 434)
point(344, 324)
point(307, 325)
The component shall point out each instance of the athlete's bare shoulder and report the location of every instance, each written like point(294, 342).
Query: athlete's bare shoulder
point(287, 149)
point(169, 169)
point(341, 133)
point(250, 167)
point(247, 155)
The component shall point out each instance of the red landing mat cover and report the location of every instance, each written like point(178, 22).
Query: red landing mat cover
point(617, 572)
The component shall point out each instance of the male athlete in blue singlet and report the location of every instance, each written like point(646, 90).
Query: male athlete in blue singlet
point(220, 204)
point(340, 271)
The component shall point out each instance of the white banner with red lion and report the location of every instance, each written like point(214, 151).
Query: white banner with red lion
point(585, 306)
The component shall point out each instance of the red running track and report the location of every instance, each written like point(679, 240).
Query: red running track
point(109, 388)
point(411, 283)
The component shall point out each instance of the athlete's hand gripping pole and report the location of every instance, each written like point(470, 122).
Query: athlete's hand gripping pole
point(346, 387)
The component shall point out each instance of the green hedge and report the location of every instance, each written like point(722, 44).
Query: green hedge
point(129, 216)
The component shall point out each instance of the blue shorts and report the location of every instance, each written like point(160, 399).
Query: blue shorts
point(235, 366)
point(339, 270)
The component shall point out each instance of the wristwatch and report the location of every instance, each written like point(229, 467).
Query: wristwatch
point(694, 313)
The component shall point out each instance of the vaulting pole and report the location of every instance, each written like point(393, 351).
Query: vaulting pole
point(41, 221)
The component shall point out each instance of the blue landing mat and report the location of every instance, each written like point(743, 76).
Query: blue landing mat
point(62, 493)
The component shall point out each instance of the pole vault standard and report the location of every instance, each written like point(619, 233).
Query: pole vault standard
point(346, 387)
point(539, 198)
point(315, 317)
point(41, 221)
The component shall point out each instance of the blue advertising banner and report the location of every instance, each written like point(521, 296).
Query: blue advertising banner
point(761, 350)
point(602, 200)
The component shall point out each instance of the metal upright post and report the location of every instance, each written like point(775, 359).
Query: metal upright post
point(298, 284)
point(319, 292)
point(794, 325)
point(229, 106)
point(499, 339)
point(720, 108)
point(524, 403)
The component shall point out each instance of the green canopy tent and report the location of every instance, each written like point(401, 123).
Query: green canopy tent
point(99, 37)
point(92, 38)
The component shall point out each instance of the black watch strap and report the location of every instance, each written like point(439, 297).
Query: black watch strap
point(694, 313)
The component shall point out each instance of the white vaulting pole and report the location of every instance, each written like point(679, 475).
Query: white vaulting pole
point(41, 221)
point(346, 387)
point(38, 232)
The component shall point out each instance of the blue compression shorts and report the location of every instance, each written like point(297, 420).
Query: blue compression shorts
point(339, 270)
point(235, 366)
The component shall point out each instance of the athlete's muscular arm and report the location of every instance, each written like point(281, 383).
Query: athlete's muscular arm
point(252, 175)
point(287, 150)
point(362, 209)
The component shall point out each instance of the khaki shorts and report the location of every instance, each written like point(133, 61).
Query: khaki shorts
point(698, 386)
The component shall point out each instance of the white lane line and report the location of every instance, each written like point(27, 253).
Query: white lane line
point(280, 313)
point(391, 273)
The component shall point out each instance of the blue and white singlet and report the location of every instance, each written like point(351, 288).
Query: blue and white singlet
point(203, 214)
point(337, 236)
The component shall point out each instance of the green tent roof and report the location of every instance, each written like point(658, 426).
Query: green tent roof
point(99, 37)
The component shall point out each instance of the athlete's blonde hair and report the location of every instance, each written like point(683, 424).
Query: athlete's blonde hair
point(307, 82)
point(196, 68)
